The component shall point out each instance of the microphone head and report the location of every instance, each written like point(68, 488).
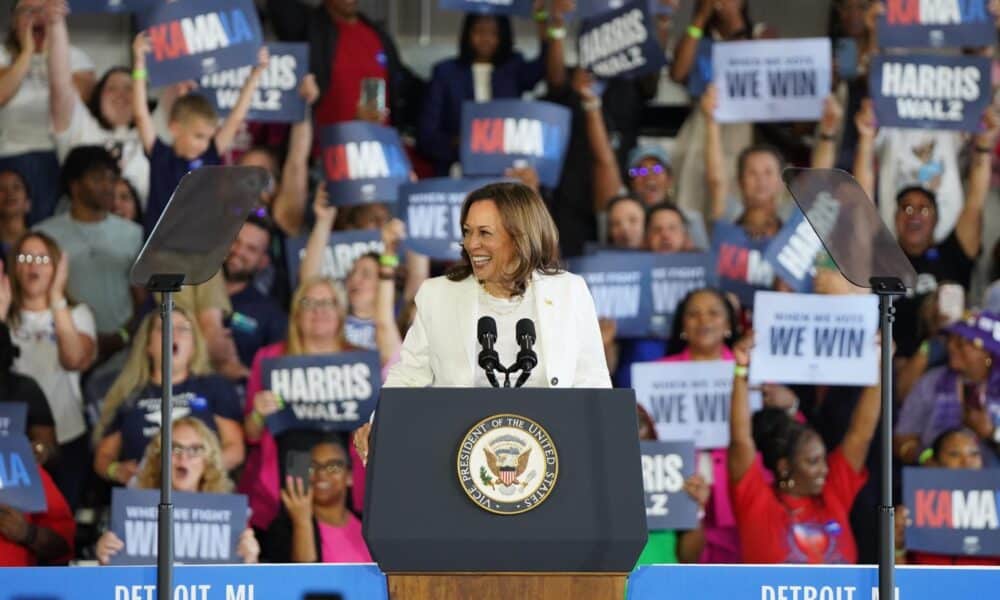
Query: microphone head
point(525, 328)
point(486, 326)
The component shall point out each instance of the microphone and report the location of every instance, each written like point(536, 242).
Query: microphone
point(489, 360)
point(526, 357)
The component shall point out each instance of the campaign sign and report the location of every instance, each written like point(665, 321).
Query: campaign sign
point(342, 249)
point(20, 482)
point(332, 392)
point(207, 527)
point(665, 466)
point(501, 134)
point(489, 7)
point(363, 163)
point(814, 340)
point(937, 24)
point(740, 262)
point(687, 400)
point(586, 9)
point(793, 251)
point(674, 276)
point(771, 80)
point(190, 39)
point(930, 92)
point(360, 333)
point(13, 418)
point(109, 6)
point(952, 511)
point(621, 43)
point(619, 283)
point(276, 98)
point(432, 209)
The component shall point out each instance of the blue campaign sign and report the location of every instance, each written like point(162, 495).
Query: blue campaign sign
point(930, 92)
point(277, 98)
point(363, 163)
point(619, 283)
point(13, 418)
point(207, 527)
point(938, 24)
point(502, 134)
point(20, 483)
point(342, 249)
point(219, 582)
point(489, 7)
point(740, 262)
point(782, 582)
point(793, 251)
point(586, 9)
point(621, 43)
point(431, 209)
point(331, 392)
point(952, 511)
point(665, 466)
point(110, 6)
point(193, 38)
point(672, 277)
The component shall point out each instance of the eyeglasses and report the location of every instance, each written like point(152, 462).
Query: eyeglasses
point(643, 171)
point(912, 210)
point(178, 329)
point(34, 259)
point(333, 467)
point(322, 304)
point(194, 451)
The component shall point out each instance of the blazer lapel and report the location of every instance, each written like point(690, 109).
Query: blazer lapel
point(466, 320)
point(546, 307)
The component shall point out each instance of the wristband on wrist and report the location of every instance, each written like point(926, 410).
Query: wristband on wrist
point(925, 456)
point(695, 32)
point(827, 137)
point(140, 74)
point(592, 104)
point(124, 335)
point(741, 371)
point(556, 33)
point(59, 304)
point(256, 417)
point(388, 260)
point(541, 16)
point(112, 470)
point(984, 150)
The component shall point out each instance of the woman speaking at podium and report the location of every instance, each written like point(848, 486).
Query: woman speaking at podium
point(506, 315)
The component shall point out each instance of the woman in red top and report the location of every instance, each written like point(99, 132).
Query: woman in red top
point(44, 538)
point(805, 517)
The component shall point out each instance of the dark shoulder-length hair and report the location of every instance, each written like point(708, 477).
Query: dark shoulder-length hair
point(677, 344)
point(530, 226)
point(94, 104)
point(505, 49)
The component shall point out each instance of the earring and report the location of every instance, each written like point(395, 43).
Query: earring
point(684, 335)
point(729, 333)
point(989, 362)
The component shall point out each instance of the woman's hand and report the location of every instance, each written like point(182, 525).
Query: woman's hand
point(525, 174)
point(107, 546)
point(709, 102)
point(393, 232)
point(698, 489)
point(742, 348)
point(13, 525)
point(297, 501)
point(57, 289)
point(247, 548)
point(308, 89)
point(361, 435)
point(779, 396)
point(266, 403)
point(26, 38)
point(864, 121)
point(140, 46)
point(833, 114)
point(322, 208)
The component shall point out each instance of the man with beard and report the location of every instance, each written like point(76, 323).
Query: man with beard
point(256, 319)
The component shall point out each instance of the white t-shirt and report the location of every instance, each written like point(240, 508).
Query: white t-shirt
point(84, 130)
point(927, 158)
point(25, 125)
point(507, 313)
point(35, 335)
point(482, 82)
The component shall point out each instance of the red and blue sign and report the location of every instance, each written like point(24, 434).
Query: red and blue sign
point(953, 511)
point(740, 262)
point(363, 163)
point(489, 7)
point(110, 6)
point(502, 134)
point(936, 24)
point(193, 38)
point(20, 482)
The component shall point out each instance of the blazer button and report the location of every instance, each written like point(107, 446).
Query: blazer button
point(555, 381)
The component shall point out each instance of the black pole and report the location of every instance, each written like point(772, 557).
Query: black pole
point(165, 540)
point(886, 288)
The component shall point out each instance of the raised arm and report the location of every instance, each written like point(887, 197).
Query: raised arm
point(687, 47)
point(312, 263)
point(824, 153)
point(969, 228)
point(555, 53)
point(607, 181)
point(387, 337)
point(76, 350)
point(140, 101)
point(864, 420)
point(288, 209)
point(62, 92)
point(742, 450)
point(231, 125)
point(864, 156)
point(12, 76)
point(715, 176)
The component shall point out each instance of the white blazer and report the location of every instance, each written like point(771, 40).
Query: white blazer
point(441, 349)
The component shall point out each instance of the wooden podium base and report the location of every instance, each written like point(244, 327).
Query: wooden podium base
point(505, 586)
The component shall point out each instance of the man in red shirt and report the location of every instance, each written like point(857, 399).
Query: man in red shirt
point(38, 538)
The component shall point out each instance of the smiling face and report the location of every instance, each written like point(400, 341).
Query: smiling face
point(666, 232)
point(34, 268)
point(183, 348)
point(705, 324)
point(318, 317)
point(487, 242)
point(916, 217)
point(960, 450)
point(651, 181)
point(626, 221)
point(760, 181)
point(808, 468)
point(329, 475)
point(188, 459)
point(362, 285)
point(116, 99)
point(192, 135)
point(248, 253)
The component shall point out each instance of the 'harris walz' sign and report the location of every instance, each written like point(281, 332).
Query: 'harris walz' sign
point(276, 98)
point(620, 43)
point(665, 466)
point(930, 92)
point(500, 134)
point(489, 7)
point(191, 39)
point(342, 249)
point(363, 163)
point(953, 511)
point(207, 527)
point(936, 23)
point(332, 392)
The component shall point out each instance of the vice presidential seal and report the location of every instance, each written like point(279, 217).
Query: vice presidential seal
point(507, 464)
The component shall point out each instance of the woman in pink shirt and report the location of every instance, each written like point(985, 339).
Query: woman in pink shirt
point(316, 525)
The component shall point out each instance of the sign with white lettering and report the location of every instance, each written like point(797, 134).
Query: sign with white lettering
point(936, 24)
point(342, 249)
point(621, 43)
point(674, 276)
point(20, 483)
point(793, 251)
point(276, 98)
point(330, 392)
point(771, 80)
point(363, 163)
point(665, 466)
point(432, 209)
point(930, 92)
point(619, 283)
point(952, 511)
point(687, 400)
point(13, 418)
point(814, 340)
point(207, 527)
point(110, 6)
point(740, 262)
point(489, 7)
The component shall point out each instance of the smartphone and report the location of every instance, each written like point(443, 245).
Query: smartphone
point(297, 465)
point(951, 302)
point(373, 93)
point(846, 55)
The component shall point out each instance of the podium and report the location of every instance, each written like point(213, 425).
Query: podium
point(505, 493)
